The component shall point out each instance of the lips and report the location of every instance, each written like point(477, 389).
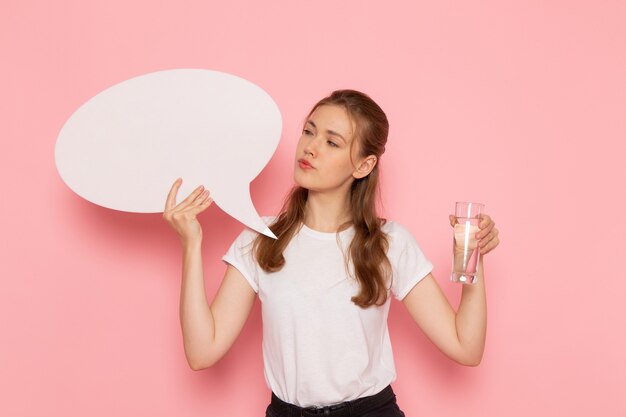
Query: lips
point(304, 163)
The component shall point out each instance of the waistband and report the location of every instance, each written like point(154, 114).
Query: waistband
point(348, 408)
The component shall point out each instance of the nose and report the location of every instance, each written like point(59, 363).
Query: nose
point(308, 150)
point(311, 147)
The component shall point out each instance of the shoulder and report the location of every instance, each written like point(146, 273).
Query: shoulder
point(400, 238)
point(408, 262)
point(396, 231)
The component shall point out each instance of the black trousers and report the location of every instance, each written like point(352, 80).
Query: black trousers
point(382, 404)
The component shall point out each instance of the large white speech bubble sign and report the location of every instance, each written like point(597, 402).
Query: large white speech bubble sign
point(124, 148)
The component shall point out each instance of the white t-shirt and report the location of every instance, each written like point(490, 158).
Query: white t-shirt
point(319, 348)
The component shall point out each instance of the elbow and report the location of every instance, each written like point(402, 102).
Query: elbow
point(471, 360)
point(467, 357)
point(196, 367)
point(472, 363)
point(199, 366)
point(199, 358)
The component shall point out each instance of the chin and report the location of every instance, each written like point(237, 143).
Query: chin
point(298, 181)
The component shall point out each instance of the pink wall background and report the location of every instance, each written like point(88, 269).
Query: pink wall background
point(520, 105)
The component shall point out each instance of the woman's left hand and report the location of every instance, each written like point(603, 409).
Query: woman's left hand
point(488, 235)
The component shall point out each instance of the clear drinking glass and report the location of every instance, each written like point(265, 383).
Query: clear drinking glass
point(466, 252)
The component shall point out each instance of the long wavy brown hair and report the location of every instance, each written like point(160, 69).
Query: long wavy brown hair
point(368, 248)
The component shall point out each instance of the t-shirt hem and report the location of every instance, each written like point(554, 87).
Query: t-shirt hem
point(416, 279)
point(243, 271)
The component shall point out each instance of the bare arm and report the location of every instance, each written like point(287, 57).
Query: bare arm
point(208, 331)
point(459, 335)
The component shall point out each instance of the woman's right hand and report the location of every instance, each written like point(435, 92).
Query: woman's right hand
point(182, 217)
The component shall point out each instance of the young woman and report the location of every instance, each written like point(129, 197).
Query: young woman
point(325, 283)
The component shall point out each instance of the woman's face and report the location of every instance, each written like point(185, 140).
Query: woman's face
point(322, 160)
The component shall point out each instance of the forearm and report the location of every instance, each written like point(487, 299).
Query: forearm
point(196, 318)
point(471, 318)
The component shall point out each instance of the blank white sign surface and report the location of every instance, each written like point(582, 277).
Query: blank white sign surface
point(124, 148)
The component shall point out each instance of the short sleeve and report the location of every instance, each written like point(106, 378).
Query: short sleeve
point(409, 264)
point(240, 255)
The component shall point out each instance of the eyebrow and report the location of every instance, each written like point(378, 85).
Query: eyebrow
point(330, 132)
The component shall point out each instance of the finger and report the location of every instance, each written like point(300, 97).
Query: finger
point(201, 197)
point(453, 220)
point(170, 202)
point(491, 246)
point(485, 220)
point(190, 198)
point(485, 231)
point(492, 234)
point(201, 207)
point(490, 241)
point(485, 240)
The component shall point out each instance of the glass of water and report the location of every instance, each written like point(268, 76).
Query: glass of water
point(466, 253)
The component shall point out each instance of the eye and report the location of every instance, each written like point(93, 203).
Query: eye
point(331, 143)
point(307, 132)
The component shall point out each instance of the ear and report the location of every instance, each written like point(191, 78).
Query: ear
point(365, 167)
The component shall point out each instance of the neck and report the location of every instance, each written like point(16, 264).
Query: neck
point(325, 212)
